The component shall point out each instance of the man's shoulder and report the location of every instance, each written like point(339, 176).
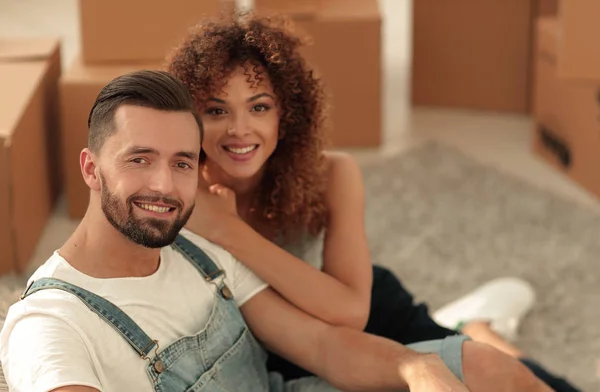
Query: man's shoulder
point(53, 303)
point(49, 268)
point(45, 310)
point(217, 253)
point(57, 304)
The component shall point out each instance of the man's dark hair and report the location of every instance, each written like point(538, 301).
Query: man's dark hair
point(152, 89)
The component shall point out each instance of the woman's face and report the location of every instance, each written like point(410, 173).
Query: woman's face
point(241, 125)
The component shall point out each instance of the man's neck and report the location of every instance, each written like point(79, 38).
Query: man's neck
point(97, 249)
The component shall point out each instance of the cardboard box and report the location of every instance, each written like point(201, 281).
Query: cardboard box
point(473, 54)
point(138, 30)
point(29, 72)
point(346, 53)
point(228, 7)
point(567, 130)
point(296, 7)
point(544, 9)
point(79, 87)
point(579, 53)
point(547, 8)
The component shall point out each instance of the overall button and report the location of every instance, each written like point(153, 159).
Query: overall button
point(226, 292)
point(159, 366)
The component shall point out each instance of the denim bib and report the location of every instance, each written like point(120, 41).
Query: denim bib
point(222, 357)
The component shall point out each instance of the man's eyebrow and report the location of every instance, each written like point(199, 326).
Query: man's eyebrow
point(134, 150)
point(140, 150)
point(191, 155)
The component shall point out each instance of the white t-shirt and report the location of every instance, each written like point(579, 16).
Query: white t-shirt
point(51, 339)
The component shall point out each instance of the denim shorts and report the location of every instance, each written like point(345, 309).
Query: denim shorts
point(448, 349)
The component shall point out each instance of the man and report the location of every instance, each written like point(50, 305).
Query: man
point(119, 309)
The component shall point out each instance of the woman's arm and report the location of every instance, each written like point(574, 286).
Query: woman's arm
point(340, 294)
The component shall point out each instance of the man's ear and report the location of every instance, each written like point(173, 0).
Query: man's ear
point(89, 169)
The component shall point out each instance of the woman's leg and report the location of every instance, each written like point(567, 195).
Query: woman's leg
point(482, 367)
point(395, 315)
point(556, 383)
point(481, 331)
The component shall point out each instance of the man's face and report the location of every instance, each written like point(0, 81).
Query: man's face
point(148, 172)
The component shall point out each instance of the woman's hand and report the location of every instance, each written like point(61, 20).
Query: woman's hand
point(214, 211)
point(226, 199)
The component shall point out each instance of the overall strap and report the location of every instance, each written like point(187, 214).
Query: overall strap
point(198, 258)
point(115, 317)
point(202, 262)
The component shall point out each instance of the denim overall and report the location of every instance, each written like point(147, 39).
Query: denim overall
point(223, 357)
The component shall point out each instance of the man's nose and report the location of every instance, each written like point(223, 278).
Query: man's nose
point(161, 180)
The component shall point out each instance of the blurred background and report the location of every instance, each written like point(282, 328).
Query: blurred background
point(475, 122)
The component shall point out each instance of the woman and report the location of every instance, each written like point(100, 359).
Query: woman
point(287, 209)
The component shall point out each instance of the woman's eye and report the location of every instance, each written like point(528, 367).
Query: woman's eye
point(215, 111)
point(261, 107)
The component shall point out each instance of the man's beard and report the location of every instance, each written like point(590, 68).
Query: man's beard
point(148, 232)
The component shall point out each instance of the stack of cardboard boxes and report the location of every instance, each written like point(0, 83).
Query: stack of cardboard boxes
point(534, 57)
point(29, 166)
point(116, 37)
point(294, 7)
point(567, 92)
point(346, 54)
point(473, 54)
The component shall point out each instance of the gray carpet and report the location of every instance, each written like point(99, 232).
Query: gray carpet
point(446, 224)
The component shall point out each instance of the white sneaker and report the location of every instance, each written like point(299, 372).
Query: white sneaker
point(502, 302)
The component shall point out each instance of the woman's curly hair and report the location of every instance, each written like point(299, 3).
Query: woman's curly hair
point(291, 197)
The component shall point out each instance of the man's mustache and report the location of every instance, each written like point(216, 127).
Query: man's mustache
point(156, 199)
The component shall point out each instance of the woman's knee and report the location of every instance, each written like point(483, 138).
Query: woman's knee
point(487, 369)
